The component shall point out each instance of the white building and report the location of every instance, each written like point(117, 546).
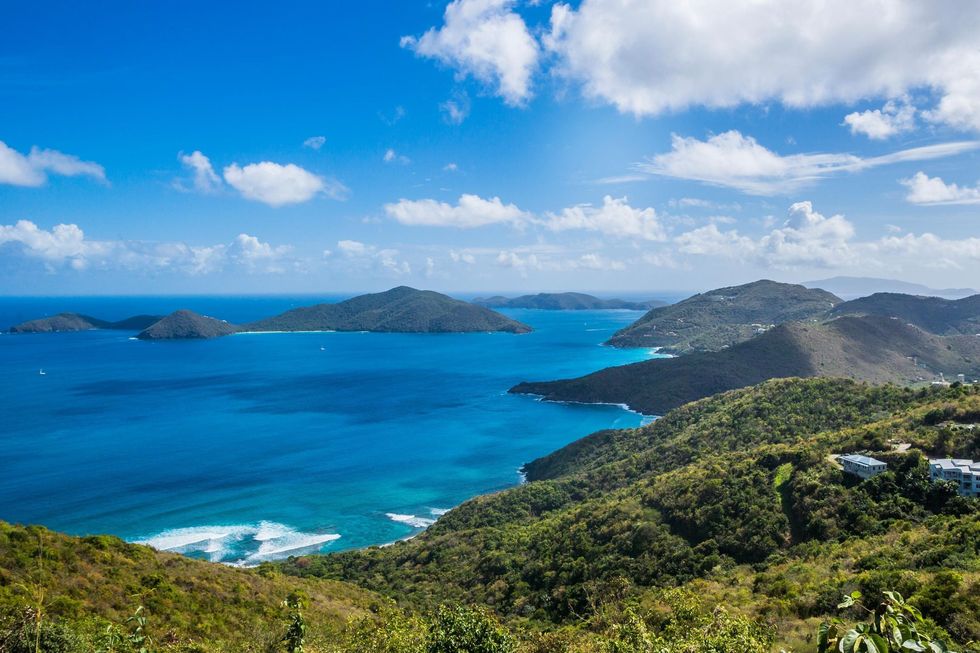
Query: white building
point(965, 473)
point(863, 466)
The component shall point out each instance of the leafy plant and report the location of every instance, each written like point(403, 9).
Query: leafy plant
point(893, 626)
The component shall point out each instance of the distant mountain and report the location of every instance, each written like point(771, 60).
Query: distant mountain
point(77, 322)
point(871, 348)
point(723, 317)
point(401, 309)
point(851, 287)
point(565, 301)
point(186, 325)
point(934, 314)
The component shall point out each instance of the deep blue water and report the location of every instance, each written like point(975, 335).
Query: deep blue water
point(257, 446)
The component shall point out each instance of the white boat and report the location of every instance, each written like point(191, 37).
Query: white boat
point(41, 372)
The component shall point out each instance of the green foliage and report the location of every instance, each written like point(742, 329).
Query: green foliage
point(459, 629)
point(893, 625)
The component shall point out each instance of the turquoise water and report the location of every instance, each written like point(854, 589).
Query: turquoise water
point(258, 446)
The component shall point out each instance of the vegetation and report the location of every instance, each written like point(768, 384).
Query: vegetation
point(871, 348)
point(724, 317)
point(945, 317)
point(399, 309)
point(732, 498)
point(183, 325)
point(77, 322)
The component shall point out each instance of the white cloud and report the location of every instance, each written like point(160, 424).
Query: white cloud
point(391, 156)
point(277, 185)
point(205, 180)
point(806, 239)
point(893, 118)
point(384, 259)
point(469, 212)
point(17, 169)
point(797, 52)
point(456, 109)
point(614, 218)
point(485, 39)
point(450, 167)
point(66, 246)
point(315, 142)
point(462, 257)
point(736, 161)
point(924, 189)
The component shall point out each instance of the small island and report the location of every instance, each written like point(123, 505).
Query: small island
point(65, 322)
point(566, 301)
point(187, 325)
point(400, 309)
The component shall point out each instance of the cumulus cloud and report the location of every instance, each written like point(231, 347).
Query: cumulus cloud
point(470, 211)
point(315, 142)
point(614, 218)
point(735, 161)
point(204, 180)
point(806, 239)
point(65, 246)
point(456, 110)
point(33, 169)
point(797, 52)
point(878, 124)
point(277, 185)
point(924, 189)
point(487, 40)
point(369, 256)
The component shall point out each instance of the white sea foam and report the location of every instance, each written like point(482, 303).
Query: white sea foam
point(439, 512)
point(411, 520)
point(242, 544)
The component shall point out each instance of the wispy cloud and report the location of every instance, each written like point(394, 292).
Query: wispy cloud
point(17, 169)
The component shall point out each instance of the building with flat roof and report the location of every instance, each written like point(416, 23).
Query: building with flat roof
point(965, 473)
point(863, 466)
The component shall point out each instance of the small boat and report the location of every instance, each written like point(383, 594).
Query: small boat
point(322, 349)
point(41, 372)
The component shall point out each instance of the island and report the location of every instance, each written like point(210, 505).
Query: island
point(566, 301)
point(944, 317)
point(869, 348)
point(77, 322)
point(400, 309)
point(187, 325)
point(724, 317)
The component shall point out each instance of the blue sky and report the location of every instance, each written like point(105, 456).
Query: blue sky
point(486, 145)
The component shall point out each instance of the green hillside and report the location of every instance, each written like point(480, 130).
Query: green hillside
point(723, 317)
point(732, 498)
point(872, 348)
point(934, 314)
point(399, 309)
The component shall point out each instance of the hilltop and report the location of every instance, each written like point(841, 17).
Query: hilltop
point(870, 348)
point(78, 322)
point(565, 301)
point(401, 309)
point(851, 287)
point(723, 317)
point(935, 314)
point(184, 325)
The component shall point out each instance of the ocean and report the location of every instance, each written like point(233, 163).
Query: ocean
point(255, 447)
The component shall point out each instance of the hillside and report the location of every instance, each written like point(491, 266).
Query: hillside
point(850, 287)
point(77, 322)
point(91, 582)
point(732, 501)
point(565, 301)
point(185, 325)
point(935, 314)
point(400, 309)
point(723, 317)
point(872, 348)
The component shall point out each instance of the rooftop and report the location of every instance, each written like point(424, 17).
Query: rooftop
point(862, 460)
